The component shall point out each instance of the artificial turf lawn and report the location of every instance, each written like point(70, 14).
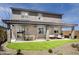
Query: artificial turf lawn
point(44, 45)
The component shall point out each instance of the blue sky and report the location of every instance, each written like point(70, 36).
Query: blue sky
point(70, 11)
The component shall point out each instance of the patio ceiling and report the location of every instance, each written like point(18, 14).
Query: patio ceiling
point(38, 23)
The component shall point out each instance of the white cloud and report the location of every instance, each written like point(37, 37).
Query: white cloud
point(72, 15)
point(5, 12)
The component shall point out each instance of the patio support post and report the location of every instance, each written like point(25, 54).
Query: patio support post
point(72, 33)
point(8, 35)
point(60, 30)
point(47, 33)
point(12, 33)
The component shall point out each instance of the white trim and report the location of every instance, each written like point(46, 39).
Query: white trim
point(13, 37)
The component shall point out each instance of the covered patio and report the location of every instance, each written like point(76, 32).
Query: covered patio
point(62, 25)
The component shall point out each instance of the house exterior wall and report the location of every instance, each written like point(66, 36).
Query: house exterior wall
point(32, 17)
point(53, 28)
point(32, 30)
point(29, 30)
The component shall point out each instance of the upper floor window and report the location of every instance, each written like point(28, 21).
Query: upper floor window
point(40, 16)
point(24, 15)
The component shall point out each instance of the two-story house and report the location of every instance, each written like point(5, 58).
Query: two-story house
point(28, 24)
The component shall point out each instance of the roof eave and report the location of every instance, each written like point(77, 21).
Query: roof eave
point(35, 11)
point(37, 22)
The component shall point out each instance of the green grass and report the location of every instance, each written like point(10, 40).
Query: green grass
point(44, 45)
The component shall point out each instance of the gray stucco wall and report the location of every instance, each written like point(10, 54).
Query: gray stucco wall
point(33, 30)
point(35, 18)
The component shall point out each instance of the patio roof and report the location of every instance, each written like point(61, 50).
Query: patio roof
point(38, 23)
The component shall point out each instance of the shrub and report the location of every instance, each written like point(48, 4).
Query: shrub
point(19, 52)
point(3, 37)
point(61, 33)
point(74, 45)
point(50, 51)
point(77, 47)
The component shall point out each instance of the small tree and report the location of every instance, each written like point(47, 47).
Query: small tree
point(3, 38)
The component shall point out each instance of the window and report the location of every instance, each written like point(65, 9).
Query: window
point(24, 15)
point(40, 16)
point(55, 31)
point(41, 30)
point(13, 25)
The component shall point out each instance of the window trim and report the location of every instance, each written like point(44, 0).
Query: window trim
point(41, 30)
point(41, 26)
